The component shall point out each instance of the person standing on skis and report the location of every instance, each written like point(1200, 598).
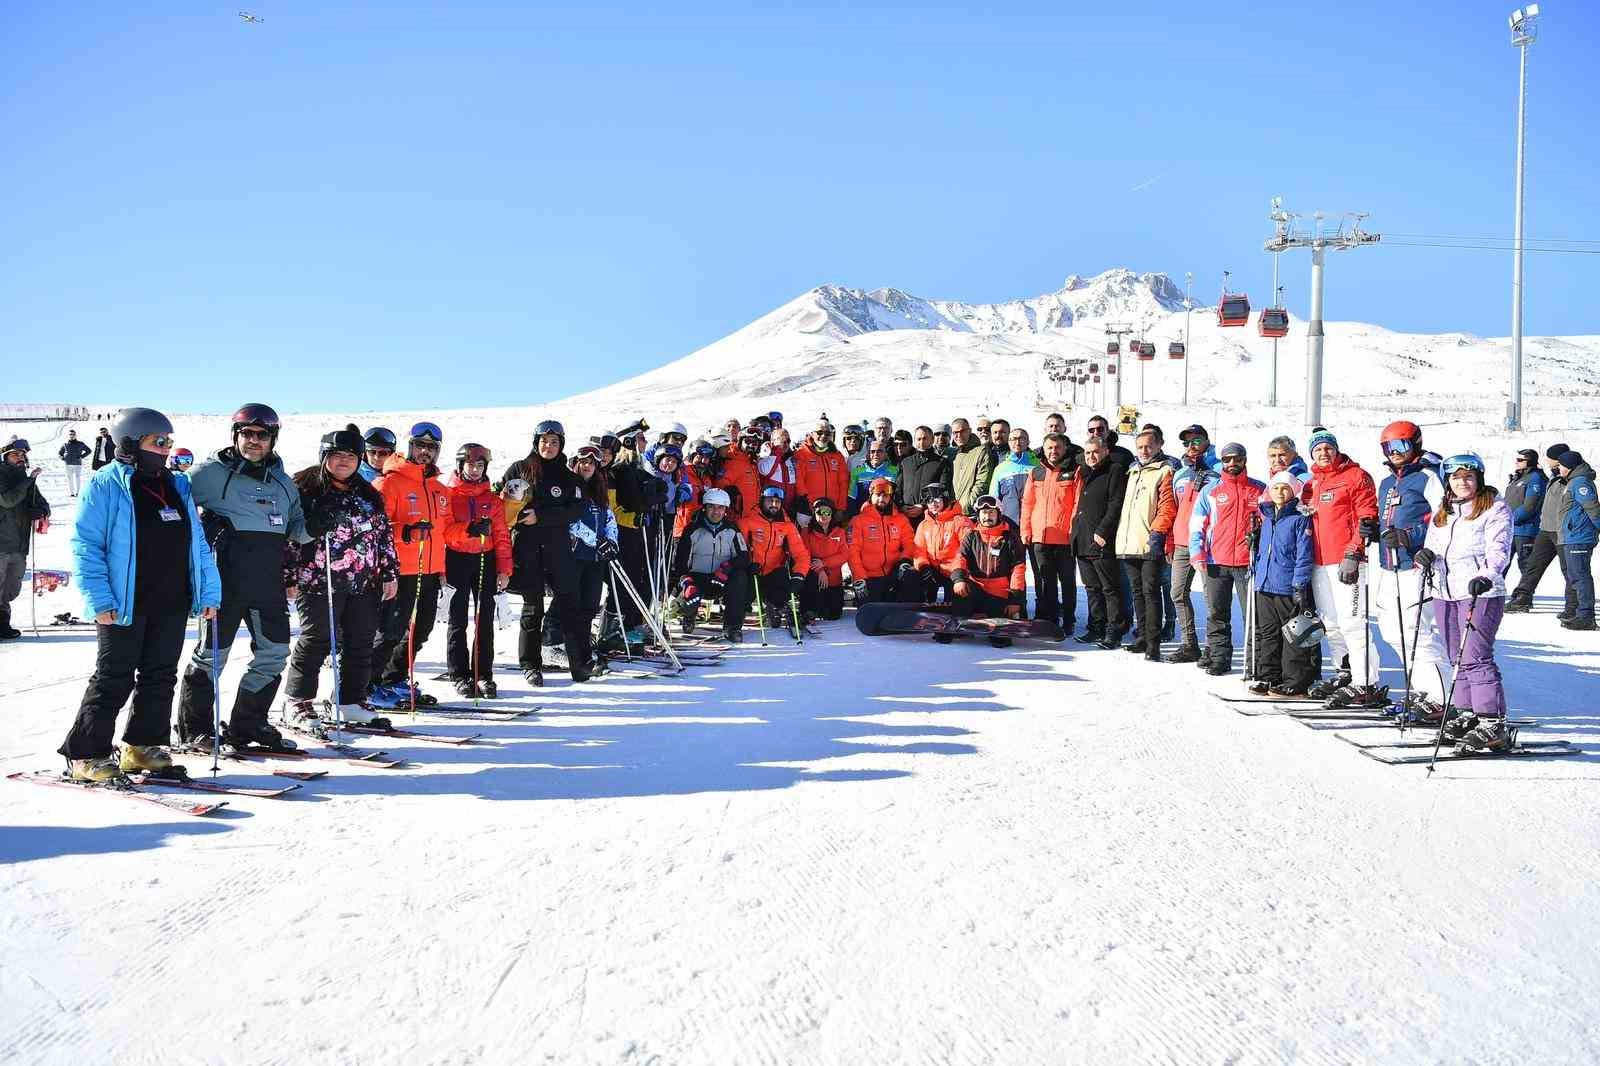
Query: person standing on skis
point(418, 505)
point(251, 512)
point(1407, 499)
point(594, 545)
point(1343, 503)
point(344, 513)
point(477, 565)
point(1221, 534)
point(543, 499)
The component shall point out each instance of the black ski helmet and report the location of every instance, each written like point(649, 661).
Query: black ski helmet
point(937, 491)
point(550, 425)
point(133, 424)
point(382, 436)
point(259, 415)
point(469, 452)
point(347, 439)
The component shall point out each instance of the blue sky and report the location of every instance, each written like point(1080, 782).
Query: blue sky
point(378, 205)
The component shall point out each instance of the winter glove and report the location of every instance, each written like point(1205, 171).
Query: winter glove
point(1479, 586)
point(1424, 558)
point(1396, 538)
point(722, 573)
point(416, 531)
point(655, 493)
point(1369, 529)
point(1158, 544)
point(605, 551)
point(796, 583)
point(1252, 538)
point(1349, 570)
point(1304, 600)
point(860, 589)
point(688, 593)
point(1213, 570)
point(478, 527)
point(321, 519)
point(218, 529)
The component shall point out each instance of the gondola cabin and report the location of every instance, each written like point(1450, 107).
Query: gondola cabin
point(1234, 310)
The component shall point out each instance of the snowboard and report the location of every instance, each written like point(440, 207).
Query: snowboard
point(892, 619)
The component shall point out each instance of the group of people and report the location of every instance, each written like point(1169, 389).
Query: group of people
point(362, 544)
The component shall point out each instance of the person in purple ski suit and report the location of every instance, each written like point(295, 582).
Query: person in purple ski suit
point(1468, 545)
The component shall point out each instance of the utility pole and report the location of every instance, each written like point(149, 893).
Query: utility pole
point(1524, 31)
point(1188, 353)
point(1348, 234)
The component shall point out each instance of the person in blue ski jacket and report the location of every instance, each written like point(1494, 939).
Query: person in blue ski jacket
point(143, 567)
point(1524, 497)
point(1580, 529)
point(1284, 558)
point(1010, 476)
point(594, 543)
point(380, 443)
point(1407, 498)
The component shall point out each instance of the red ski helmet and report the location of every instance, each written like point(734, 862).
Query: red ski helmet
point(1409, 432)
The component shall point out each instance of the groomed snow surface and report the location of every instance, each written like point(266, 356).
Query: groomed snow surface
point(865, 850)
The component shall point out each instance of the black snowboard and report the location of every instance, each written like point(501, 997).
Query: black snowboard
point(889, 619)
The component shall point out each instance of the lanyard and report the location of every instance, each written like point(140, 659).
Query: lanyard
point(161, 496)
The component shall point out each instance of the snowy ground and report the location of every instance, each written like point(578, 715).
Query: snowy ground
point(863, 851)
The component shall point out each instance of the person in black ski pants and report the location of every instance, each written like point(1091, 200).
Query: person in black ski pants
point(594, 541)
point(547, 498)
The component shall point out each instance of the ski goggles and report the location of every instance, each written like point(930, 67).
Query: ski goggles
point(380, 437)
point(182, 462)
point(1464, 461)
point(822, 509)
point(985, 501)
point(427, 433)
point(18, 445)
point(163, 440)
point(1396, 447)
point(587, 454)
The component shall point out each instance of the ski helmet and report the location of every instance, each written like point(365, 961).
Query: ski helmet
point(1395, 432)
point(258, 415)
point(472, 453)
point(1464, 461)
point(985, 501)
point(1304, 631)
point(347, 439)
point(550, 425)
point(182, 459)
point(716, 498)
point(676, 429)
point(608, 442)
point(382, 437)
point(669, 451)
point(426, 432)
point(772, 492)
point(705, 450)
point(936, 491)
point(135, 423)
point(16, 444)
point(587, 451)
point(775, 417)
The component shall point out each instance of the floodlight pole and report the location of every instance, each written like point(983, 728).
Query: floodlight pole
point(1524, 31)
point(1319, 242)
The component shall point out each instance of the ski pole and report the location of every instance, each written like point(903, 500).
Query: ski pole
point(333, 632)
point(411, 631)
point(761, 611)
point(477, 611)
point(616, 608)
point(33, 600)
point(633, 593)
point(1400, 621)
point(216, 697)
point(1461, 650)
point(794, 605)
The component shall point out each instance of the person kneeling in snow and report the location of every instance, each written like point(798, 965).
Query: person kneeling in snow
point(990, 575)
point(777, 554)
point(829, 545)
point(713, 560)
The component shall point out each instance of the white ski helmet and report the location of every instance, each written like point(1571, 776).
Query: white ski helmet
point(716, 498)
point(677, 427)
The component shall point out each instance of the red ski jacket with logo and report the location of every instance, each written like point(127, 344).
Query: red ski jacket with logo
point(1222, 518)
point(1339, 496)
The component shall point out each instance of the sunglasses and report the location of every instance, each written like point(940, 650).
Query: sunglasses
point(161, 440)
point(424, 444)
point(255, 434)
point(380, 451)
point(822, 510)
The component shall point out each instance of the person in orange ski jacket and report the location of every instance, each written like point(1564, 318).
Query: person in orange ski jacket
point(937, 546)
point(821, 472)
point(738, 476)
point(418, 506)
point(779, 560)
point(881, 549)
point(477, 565)
point(829, 545)
point(990, 577)
point(1049, 497)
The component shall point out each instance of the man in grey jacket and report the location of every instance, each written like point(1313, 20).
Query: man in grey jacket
point(1545, 546)
point(250, 506)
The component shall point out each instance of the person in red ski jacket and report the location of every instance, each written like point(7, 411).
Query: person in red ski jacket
point(829, 545)
point(738, 477)
point(990, 576)
point(778, 558)
point(821, 471)
point(936, 548)
point(1220, 528)
point(477, 565)
point(881, 548)
point(1343, 500)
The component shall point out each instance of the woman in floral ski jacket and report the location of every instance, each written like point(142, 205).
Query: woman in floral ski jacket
point(344, 513)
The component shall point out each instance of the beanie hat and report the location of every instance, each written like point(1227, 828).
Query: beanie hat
point(1234, 448)
point(1283, 477)
point(1556, 451)
point(881, 483)
point(348, 439)
point(1323, 436)
point(1530, 455)
point(1570, 460)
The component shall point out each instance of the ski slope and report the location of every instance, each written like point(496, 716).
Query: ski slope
point(863, 850)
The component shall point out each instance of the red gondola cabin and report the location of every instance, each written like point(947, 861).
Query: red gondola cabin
point(1234, 310)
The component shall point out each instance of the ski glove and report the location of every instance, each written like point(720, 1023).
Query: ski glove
point(1424, 558)
point(1396, 538)
point(1304, 600)
point(1213, 570)
point(860, 589)
point(323, 518)
point(796, 584)
point(605, 551)
point(478, 527)
point(1369, 529)
point(722, 573)
point(1349, 570)
point(1479, 586)
point(688, 593)
point(1158, 544)
point(416, 531)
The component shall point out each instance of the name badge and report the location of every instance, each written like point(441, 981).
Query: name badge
point(274, 519)
point(170, 514)
point(364, 527)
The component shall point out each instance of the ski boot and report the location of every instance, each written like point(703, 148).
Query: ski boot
point(1490, 734)
point(1258, 688)
point(1323, 690)
point(386, 697)
point(489, 689)
point(302, 714)
point(1459, 724)
point(689, 617)
point(534, 676)
point(466, 688)
point(1365, 697)
point(1287, 692)
point(357, 714)
point(1419, 710)
point(259, 735)
point(94, 771)
point(144, 758)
